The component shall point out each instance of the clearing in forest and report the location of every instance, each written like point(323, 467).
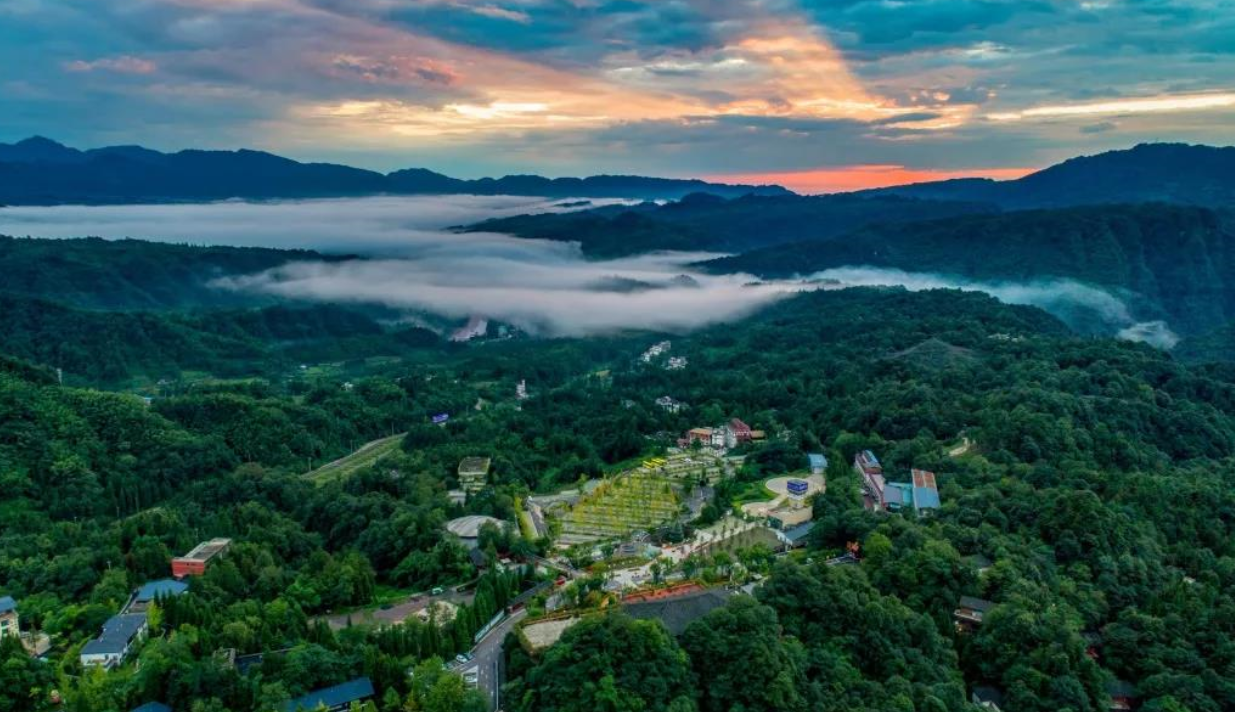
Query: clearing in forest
point(364, 456)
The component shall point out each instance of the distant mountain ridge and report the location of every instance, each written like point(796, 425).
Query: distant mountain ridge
point(1172, 262)
point(1159, 172)
point(40, 171)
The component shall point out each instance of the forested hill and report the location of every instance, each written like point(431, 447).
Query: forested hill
point(1178, 262)
point(133, 274)
point(704, 222)
point(1175, 173)
point(1099, 488)
point(111, 348)
point(40, 171)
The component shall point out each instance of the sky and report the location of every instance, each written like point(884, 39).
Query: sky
point(816, 94)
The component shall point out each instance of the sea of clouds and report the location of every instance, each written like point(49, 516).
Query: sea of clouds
point(415, 262)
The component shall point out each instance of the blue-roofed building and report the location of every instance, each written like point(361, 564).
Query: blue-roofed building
point(925, 491)
point(9, 625)
point(818, 463)
point(152, 707)
point(120, 634)
point(797, 488)
point(334, 699)
point(796, 537)
point(897, 496)
point(160, 588)
point(152, 591)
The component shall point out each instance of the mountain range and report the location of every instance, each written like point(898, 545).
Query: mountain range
point(39, 171)
point(1165, 172)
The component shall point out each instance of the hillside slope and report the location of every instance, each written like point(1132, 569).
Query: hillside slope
point(1176, 262)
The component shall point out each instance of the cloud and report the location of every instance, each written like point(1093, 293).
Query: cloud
point(543, 286)
point(1083, 307)
point(123, 64)
point(1123, 107)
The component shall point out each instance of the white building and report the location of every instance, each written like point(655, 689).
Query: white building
point(120, 634)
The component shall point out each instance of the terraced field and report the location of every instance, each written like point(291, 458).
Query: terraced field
point(635, 500)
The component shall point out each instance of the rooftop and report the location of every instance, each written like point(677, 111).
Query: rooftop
point(799, 532)
point(474, 466)
point(678, 612)
point(162, 587)
point(976, 604)
point(117, 633)
point(469, 527)
point(152, 707)
point(7, 604)
point(207, 550)
point(331, 697)
point(817, 460)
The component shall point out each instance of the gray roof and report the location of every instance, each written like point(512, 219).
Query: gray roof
point(977, 604)
point(800, 532)
point(7, 604)
point(680, 611)
point(118, 633)
point(331, 697)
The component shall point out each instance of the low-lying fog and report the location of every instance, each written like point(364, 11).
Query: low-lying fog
point(545, 287)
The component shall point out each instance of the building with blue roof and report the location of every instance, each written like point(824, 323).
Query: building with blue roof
point(334, 699)
point(152, 707)
point(9, 625)
point(925, 491)
point(162, 587)
point(818, 463)
point(120, 634)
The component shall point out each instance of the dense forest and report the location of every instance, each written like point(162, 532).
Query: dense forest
point(1099, 486)
point(93, 273)
point(1172, 262)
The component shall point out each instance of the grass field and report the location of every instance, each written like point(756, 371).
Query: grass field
point(368, 454)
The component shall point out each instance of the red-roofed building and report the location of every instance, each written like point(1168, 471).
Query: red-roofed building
point(741, 431)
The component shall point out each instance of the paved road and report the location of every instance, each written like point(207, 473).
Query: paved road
point(488, 660)
point(397, 613)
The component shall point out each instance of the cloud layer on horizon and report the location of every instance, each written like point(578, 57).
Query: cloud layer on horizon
point(416, 263)
point(672, 87)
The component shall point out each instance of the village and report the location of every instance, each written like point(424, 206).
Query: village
point(651, 538)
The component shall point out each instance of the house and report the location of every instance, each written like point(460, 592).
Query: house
point(699, 435)
point(334, 699)
point(120, 634)
point(873, 483)
point(195, 562)
point(1122, 694)
point(817, 462)
point(152, 707)
point(925, 491)
point(786, 518)
point(797, 488)
point(467, 529)
point(970, 612)
point(722, 437)
point(9, 624)
point(473, 473)
point(988, 698)
point(670, 404)
point(741, 431)
point(154, 590)
point(795, 537)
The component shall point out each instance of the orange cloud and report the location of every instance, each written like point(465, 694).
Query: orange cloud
point(862, 177)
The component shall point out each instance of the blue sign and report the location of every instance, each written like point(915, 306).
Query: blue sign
point(441, 418)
